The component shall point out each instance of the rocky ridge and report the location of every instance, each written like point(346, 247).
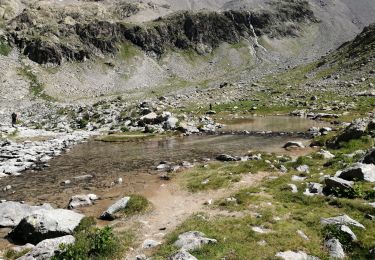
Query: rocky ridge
point(55, 36)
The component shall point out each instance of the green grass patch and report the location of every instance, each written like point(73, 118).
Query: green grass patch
point(236, 239)
point(136, 205)
point(128, 51)
point(95, 243)
point(5, 49)
point(221, 175)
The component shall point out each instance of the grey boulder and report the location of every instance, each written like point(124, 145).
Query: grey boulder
point(45, 224)
point(81, 201)
point(355, 130)
point(11, 213)
point(369, 158)
point(359, 172)
point(300, 255)
point(337, 185)
point(345, 229)
point(341, 220)
point(193, 240)
point(109, 214)
point(48, 248)
point(334, 248)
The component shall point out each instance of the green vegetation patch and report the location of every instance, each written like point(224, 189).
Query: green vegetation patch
point(221, 175)
point(5, 49)
point(273, 206)
point(95, 243)
point(128, 51)
point(36, 87)
point(136, 205)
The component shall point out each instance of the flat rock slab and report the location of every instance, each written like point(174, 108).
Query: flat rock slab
point(290, 255)
point(47, 248)
point(341, 220)
point(193, 240)
point(45, 224)
point(11, 212)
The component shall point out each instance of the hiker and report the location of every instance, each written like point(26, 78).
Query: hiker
point(210, 106)
point(14, 119)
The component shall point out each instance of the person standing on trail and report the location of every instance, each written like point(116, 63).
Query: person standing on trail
point(14, 119)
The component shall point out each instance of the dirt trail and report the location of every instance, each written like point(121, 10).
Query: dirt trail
point(172, 205)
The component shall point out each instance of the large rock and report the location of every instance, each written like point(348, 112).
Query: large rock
point(45, 224)
point(354, 131)
point(337, 185)
point(345, 229)
point(193, 240)
point(81, 201)
point(290, 255)
point(341, 220)
point(182, 255)
point(334, 248)
point(11, 213)
point(359, 172)
point(48, 248)
point(369, 158)
point(170, 123)
point(109, 214)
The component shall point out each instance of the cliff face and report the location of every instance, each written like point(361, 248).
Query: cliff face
point(47, 36)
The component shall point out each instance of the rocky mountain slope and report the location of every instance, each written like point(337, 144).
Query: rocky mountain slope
point(83, 51)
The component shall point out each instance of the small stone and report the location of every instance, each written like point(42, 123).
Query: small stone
point(149, 243)
point(303, 235)
point(293, 187)
point(193, 240)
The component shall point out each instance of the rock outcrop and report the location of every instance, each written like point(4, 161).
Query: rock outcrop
point(359, 172)
point(11, 213)
point(45, 224)
point(52, 36)
point(48, 248)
